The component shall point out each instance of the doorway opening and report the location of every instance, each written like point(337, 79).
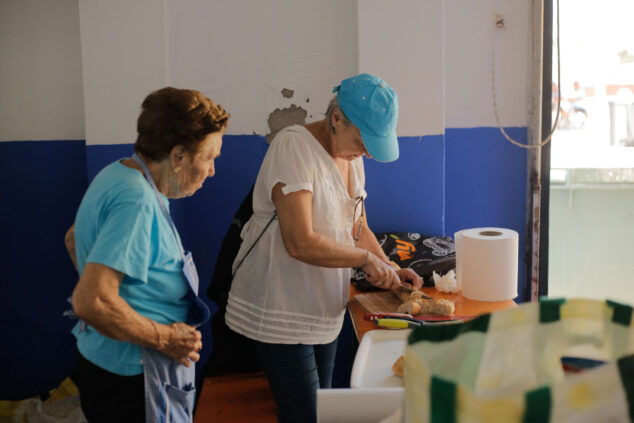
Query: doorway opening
point(591, 199)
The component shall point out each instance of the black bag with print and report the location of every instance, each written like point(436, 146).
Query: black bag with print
point(424, 254)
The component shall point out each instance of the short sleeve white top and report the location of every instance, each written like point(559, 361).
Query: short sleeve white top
point(275, 298)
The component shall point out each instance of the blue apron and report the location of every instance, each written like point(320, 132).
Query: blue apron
point(170, 387)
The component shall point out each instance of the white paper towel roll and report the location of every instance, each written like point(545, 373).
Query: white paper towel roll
point(486, 263)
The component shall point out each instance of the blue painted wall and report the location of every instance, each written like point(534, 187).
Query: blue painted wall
point(42, 185)
point(486, 184)
point(440, 184)
point(409, 194)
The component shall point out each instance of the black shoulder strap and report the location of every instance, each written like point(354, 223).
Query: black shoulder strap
point(218, 290)
point(254, 243)
point(220, 283)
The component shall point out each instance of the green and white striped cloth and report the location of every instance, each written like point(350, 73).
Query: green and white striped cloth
point(506, 366)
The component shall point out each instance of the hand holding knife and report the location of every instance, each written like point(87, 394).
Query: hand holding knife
point(389, 276)
point(404, 287)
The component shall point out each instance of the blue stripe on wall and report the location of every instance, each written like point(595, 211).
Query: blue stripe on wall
point(440, 184)
point(43, 183)
point(486, 184)
point(100, 156)
point(408, 194)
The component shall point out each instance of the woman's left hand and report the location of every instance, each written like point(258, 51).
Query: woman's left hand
point(408, 275)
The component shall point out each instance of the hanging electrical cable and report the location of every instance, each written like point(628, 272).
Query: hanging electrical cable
point(500, 24)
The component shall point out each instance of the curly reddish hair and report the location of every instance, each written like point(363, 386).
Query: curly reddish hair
point(173, 116)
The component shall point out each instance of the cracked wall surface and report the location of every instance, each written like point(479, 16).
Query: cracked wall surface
point(281, 118)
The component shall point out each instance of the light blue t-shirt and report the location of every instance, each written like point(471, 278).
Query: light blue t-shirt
point(120, 224)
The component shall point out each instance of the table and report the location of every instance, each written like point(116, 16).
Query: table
point(247, 397)
point(464, 307)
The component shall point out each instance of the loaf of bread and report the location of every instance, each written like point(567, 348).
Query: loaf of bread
point(416, 295)
point(441, 307)
point(410, 307)
point(398, 368)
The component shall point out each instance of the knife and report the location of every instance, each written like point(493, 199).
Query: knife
point(435, 318)
point(418, 318)
point(373, 317)
point(397, 323)
point(409, 289)
point(405, 324)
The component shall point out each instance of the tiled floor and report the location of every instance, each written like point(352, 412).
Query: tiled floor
point(244, 397)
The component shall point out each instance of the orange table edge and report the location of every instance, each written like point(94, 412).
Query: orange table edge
point(247, 397)
point(464, 307)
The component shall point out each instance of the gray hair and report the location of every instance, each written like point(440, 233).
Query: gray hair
point(332, 105)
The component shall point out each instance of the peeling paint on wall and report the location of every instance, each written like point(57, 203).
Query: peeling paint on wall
point(281, 118)
point(287, 93)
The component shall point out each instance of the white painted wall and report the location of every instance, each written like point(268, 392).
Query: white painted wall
point(402, 42)
point(242, 53)
point(122, 44)
point(40, 71)
point(471, 37)
point(437, 55)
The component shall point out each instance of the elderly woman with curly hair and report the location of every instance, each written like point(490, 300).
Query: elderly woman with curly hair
point(137, 292)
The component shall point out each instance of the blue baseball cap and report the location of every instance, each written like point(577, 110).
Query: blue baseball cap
point(372, 106)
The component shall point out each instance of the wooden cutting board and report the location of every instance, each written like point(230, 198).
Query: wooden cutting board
point(378, 302)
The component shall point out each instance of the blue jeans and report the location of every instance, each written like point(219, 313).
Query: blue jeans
point(295, 372)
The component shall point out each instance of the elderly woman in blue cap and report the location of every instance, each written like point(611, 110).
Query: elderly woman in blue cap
point(309, 228)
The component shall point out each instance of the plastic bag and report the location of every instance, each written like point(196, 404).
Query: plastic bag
point(507, 366)
point(60, 406)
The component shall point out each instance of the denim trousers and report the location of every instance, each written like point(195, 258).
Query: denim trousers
point(295, 372)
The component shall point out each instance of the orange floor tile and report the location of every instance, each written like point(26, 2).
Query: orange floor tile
point(244, 397)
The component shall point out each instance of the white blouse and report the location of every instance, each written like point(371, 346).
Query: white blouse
point(275, 298)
